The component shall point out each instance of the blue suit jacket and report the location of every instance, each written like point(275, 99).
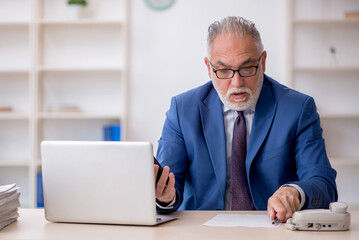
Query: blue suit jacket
point(285, 146)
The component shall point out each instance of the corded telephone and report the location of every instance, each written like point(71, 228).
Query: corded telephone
point(336, 218)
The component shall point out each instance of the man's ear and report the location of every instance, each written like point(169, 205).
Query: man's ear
point(206, 61)
point(264, 58)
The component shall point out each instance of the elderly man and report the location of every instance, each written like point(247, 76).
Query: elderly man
point(242, 141)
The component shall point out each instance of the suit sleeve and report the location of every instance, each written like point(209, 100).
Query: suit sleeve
point(172, 152)
point(315, 174)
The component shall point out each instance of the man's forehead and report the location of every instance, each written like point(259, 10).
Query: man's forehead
point(231, 38)
point(234, 46)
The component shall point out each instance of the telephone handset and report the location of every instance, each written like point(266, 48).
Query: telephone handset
point(336, 218)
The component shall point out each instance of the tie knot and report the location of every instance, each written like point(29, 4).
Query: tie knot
point(240, 116)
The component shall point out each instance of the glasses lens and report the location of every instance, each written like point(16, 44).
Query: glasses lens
point(247, 71)
point(224, 73)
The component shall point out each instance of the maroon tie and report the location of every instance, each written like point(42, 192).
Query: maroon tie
point(240, 195)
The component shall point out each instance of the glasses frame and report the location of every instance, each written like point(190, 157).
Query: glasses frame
point(238, 70)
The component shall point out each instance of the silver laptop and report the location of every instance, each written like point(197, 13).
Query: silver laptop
point(99, 182)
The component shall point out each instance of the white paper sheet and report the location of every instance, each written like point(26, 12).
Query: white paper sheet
point(9, 203)
point(241, 220)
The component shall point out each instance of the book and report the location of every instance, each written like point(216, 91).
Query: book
point(6, 109)
point(39, 188)
point(352, 15)
point(64, 109)
point(112, 132)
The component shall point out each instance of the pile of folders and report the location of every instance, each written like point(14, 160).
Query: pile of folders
point(9, 203)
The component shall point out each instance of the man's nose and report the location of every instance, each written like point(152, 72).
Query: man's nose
point(237, 80)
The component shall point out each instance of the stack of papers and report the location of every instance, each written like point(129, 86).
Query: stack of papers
point(9, 203)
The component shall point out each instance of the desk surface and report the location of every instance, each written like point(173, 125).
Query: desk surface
point(32, 225)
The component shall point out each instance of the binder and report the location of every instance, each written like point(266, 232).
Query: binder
point(39, 194)
point(112, 132)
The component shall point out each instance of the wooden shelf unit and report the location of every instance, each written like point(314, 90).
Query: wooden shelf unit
point(51, 59)
point(322, 62)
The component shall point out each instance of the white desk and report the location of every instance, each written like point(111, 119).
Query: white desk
point(32, 225)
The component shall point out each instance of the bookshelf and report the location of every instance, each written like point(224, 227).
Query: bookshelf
point(322, 62)
point(64, 77)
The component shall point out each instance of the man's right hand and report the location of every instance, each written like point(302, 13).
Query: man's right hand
point(165, 193)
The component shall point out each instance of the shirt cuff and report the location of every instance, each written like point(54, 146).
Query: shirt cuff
point(301, 192)
point(169, 206)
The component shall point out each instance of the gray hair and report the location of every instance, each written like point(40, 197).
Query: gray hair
point(233, 25)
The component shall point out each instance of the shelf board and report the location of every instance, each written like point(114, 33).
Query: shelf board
point(14, 24)
point(328, 115)
point(60, 22)
point(80, 69)
point(14, 163)
point(327, 22)
point(64, 115)
point(6, 71)
point(13, 116)
point(343, 161)
point(327, 69)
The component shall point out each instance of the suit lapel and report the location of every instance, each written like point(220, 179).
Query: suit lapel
point(213, 129)
point(263, 118)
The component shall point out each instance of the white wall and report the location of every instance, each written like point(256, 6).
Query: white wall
point(167, 51)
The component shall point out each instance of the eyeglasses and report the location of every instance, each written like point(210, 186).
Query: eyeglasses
point(243, 72)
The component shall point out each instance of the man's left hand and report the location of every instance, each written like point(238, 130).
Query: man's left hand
point(283, 203)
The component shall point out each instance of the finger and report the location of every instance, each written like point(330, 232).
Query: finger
point(159, 188)
point(171, 181)
point(288, 208)
point(164, 175)
point(271, 212)
point(170, 190)
point(156, 167)
point(161, 184)
point(278, 207)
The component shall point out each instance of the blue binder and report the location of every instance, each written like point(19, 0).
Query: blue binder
point(112, 132)
point(40, 194)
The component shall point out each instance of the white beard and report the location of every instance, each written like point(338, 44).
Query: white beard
point(242, 104)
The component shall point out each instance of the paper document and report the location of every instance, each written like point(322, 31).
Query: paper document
point(9, 203)
point(241, 220)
